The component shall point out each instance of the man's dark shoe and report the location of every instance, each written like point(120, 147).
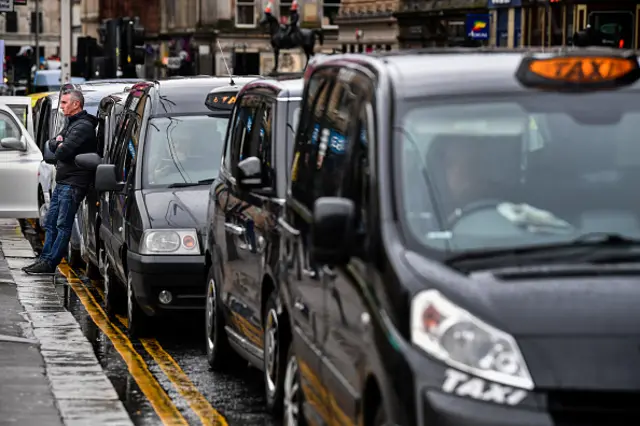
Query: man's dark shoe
point(42, 268)
point(34, 264)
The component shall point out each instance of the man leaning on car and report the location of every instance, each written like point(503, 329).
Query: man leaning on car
point(72, 183)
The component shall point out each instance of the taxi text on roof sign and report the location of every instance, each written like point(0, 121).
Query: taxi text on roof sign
point(218, 101)
point(582, 71)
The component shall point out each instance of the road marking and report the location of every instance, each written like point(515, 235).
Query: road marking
point(158, 398)
point(208, 415)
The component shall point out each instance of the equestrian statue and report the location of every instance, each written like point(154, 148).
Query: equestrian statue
point(290, 36)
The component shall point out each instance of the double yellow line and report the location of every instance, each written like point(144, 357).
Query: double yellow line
point(158, 398)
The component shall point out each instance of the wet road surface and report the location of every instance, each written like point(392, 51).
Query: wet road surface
point(165, 379)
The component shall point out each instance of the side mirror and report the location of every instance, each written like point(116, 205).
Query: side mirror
point(332, 230)
point(14, 144)
point(250, 173)
point(89, 161)
point(106, 179)
point(48, 156)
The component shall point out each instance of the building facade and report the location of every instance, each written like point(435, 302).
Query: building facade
point(18, 28)
point(367, 25)
point(439, 23)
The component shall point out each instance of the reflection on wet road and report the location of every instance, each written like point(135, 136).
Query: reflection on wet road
point(166, 379)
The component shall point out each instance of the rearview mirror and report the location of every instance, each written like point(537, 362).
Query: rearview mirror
point(106, 179)
point(332, 232)
point(250, 173)
point(88, 161)
point(14, 144)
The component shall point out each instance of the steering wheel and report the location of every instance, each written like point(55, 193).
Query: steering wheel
point(472, 207)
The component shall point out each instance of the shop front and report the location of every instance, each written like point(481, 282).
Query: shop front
point(554, 22)
point(436, 23)
point(506, 17)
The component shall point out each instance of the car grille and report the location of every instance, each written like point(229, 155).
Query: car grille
point(584, 408)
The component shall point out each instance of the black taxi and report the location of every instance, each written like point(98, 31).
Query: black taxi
point(154, 184)
point(244, 309)
point(461, 240)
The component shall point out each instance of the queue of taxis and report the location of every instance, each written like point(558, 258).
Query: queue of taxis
point(460, 245)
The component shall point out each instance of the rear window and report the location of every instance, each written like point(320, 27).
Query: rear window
point(22, 112)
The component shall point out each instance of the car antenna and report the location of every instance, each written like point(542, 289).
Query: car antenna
point(225, 63)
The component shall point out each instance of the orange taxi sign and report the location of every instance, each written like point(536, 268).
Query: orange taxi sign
point(588, 72)
point(218, 101)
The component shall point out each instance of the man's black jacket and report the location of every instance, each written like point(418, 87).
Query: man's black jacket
point(79, 137)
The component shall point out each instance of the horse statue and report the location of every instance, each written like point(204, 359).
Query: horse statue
point(280, 39)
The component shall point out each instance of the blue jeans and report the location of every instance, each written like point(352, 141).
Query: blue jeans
point(58, 223)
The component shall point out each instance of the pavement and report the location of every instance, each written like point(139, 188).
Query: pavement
point(50, 373)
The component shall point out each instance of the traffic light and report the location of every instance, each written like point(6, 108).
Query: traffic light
point(132, 47)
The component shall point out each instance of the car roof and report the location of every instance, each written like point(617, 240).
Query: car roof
point(452, 71)
point(287, 87)
point(15, 100)
point(187, 95)
point(94, 94)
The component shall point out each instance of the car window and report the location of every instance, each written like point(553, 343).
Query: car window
point(305, 162)
point(246, 140)
point(8, 127)
point(176, 152)
point(21, 111)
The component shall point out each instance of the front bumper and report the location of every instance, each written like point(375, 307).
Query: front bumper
point(478, 402)
point(183, 276)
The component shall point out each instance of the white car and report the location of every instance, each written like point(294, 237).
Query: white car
point(19, 161)
point(21, 106)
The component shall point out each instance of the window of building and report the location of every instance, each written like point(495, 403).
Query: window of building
point(11, 22)
point(35, 20)
point(330, 10)
point(246, 13)
point(502, 36)
point(556, 29)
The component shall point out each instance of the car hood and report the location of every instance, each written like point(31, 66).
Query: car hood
point(579, 331)
point(177, 207)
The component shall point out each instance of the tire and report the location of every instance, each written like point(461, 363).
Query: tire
point(276, 348)
point(92, 271)
point(113, 294)
point(137, 320)
point(293, 397)
point(219, 352)
point(74, 259)
point(381, 417)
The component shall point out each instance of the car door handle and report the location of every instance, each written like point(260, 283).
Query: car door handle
point(234, 229)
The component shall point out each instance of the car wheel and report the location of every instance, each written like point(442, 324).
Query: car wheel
point(137, 320)
point(293, 396)
point(219, 352)
point(275, 355)
point(381, 417)
point(112, 290)
point(73, 257)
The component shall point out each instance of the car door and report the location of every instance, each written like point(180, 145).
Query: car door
point(305, 294)
point(346, 317)
point(240, 215)
point(18, 169)
point(119, 201)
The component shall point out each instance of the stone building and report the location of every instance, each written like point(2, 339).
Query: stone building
point(18, 28)
point(368, 25)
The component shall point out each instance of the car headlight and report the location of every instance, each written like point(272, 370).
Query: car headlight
point(170, 241)
point(462, 341)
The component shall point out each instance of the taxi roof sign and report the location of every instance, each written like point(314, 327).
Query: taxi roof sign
point(581, 71)
point(221, 98)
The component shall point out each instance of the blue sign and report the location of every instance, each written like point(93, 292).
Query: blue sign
point(477, 26)
point(336, 142)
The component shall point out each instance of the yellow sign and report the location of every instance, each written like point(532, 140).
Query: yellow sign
point(583, 69)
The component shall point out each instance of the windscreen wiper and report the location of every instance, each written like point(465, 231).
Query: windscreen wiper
point(574, 247)
point(188, 184)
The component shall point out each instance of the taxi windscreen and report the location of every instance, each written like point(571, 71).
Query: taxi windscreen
point(519, 170)
point(183, 150)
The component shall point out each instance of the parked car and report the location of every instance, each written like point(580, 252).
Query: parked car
point(244, 309)
point(109, 115)
point(21, 106)
point(50, 81)
point(19, 162)
point(154, 180)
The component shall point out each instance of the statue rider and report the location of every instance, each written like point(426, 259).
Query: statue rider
point(294, 18)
